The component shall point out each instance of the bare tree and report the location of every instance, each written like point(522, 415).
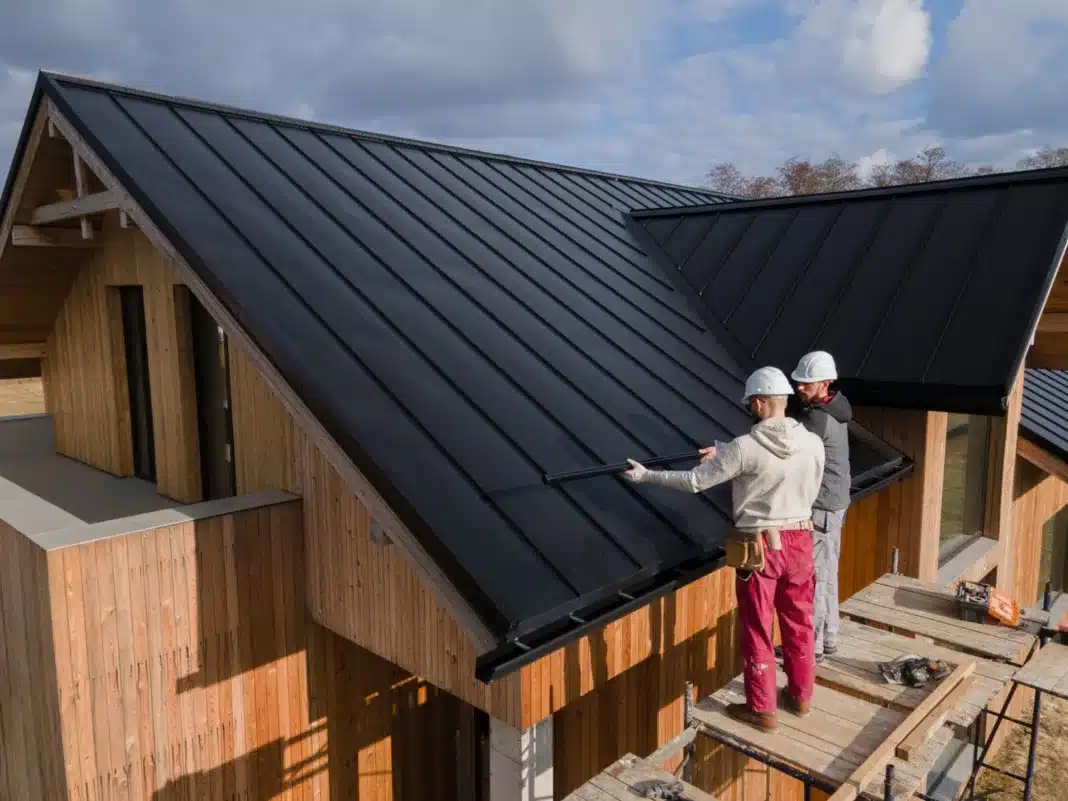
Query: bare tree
point(798, 176)
point(728, 179)
point(762, 186)
point(838, 175)
point(1046, 157)
point(930, 164)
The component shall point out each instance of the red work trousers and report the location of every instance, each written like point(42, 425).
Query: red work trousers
point(786, 585)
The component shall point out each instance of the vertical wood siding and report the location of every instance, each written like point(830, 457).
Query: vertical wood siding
point(31, 750)
point(184, 666)
point(85, 372)
point(1038, 497)
point(907, 514)
point(621, 690)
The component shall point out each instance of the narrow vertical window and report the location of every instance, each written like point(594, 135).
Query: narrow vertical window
point(211, 367)
point(132, 301)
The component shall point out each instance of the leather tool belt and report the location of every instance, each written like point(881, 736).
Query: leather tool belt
point(746, 549)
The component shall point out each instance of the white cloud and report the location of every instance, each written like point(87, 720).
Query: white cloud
point(1004, 69)
point(651, 87)
point(871, 46)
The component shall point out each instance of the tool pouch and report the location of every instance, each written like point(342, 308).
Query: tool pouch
point(745, 552)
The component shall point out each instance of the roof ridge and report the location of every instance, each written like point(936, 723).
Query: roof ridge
point(371, 135)
point(1000, 179)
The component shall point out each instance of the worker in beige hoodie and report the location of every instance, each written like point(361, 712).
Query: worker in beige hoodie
point(775, 472)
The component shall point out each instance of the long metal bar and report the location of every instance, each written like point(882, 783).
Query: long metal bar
point(617, 467)
point(990, 740)
point(772, 762)
point(1032, 753)
point(888, 785)
point(1009, 773)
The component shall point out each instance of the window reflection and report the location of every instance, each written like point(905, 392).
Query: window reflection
point(964, 482)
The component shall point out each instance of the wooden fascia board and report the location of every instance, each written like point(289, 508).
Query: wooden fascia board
point(1042, 459)
point(22, 350)
point(37, 131)
point(354, 480)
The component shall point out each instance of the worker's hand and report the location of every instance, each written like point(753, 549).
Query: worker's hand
point(636, 473)
point(707, 454)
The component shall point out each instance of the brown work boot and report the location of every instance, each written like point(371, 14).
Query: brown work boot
point(801, 709)
point(759, 720)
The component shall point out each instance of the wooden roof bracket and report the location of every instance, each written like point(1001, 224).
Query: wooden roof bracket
point(396, 531)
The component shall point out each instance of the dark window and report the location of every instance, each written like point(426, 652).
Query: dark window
point(132, 302)
point(211, 366)
point(1053, 565)
point(964, 482)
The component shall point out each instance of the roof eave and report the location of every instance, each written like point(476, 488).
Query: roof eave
point(23, 140)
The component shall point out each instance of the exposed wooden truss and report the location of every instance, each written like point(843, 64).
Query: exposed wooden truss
point(47, 237)
point(81, 185)
point(1042, 459)
point(98, 203)
point(28, 350)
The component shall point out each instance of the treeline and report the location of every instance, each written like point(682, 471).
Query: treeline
point(798, 176)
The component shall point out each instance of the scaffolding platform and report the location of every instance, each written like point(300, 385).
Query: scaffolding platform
point(828, 745)
point(631, 777)
point(855, 712)
point(929, 610)
point(860, 648)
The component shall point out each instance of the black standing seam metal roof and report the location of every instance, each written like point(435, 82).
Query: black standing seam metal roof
point(1044, 415)
point(927, 295)
point(461, 324)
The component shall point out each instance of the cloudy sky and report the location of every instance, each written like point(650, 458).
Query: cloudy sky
point(658, 88)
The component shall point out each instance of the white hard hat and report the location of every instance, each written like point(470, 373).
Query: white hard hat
point(767, 382)
point(815, 366)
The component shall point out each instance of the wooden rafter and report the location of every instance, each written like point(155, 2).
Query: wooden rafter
point(74, 209)
point(397, 532)
point(22, 350)
point(81, 187)
point(1053, 322)
point(45, 237)
point(1042, 459)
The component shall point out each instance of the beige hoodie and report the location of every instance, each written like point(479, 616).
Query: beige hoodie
point(776, 470)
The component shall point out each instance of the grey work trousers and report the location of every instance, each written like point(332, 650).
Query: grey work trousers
point(826, 548)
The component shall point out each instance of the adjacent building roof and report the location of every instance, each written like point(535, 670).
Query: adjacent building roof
point(927, 296)
point(462, 324)
point(1044, 416)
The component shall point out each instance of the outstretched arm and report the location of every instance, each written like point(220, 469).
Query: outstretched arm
point(723, 466)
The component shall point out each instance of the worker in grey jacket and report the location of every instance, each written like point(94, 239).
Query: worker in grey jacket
point(826, 412)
